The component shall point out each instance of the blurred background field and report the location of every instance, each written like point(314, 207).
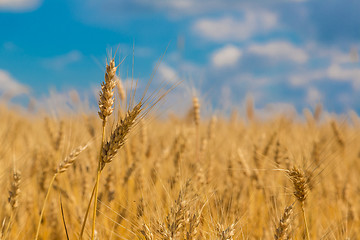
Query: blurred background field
point(182, 177)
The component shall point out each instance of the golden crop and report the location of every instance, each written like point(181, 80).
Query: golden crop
point(180, 178)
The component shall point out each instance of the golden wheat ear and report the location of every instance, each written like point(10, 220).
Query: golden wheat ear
point(225, 232)
point(282, 230)
point(300, 183)
point(13, 200)
point(70, 159)
point(15, 190)
point(118, 136)
point(106, 94)
point(301, 190)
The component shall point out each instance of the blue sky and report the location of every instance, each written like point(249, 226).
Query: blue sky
point(287, 52)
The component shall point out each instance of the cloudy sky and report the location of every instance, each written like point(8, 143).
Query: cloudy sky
point(294, 52)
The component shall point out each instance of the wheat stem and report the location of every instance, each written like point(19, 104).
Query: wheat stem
point(43, 207)
point(87, 213)
point(306, 225)
point(106, 102)
point(98, 179)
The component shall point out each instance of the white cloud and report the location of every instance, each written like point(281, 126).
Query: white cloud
point(110, 9)
point(280, 50)
point(298, 80)
point(275, 109)
point(60, 62)
point(190, 6)
point(229, 28)
point(337, 72)
point(9, 87)
point(251, 81)
point(229, 55)
point(332, 54)
point(19, 5)
point(166, 72)
point(313, 96)
point(184, 4)
point(339, 57)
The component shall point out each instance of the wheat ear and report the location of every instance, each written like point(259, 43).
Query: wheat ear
point(13, 198)
point(118, 136)
point(225, 233)
point(301, 190)
point(283, 227)
point(196, 116)
point(106, 100)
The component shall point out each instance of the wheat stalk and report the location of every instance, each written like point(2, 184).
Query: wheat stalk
point(301, 190)
point(106, 103)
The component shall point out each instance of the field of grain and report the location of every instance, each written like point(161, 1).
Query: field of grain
point(184, 177)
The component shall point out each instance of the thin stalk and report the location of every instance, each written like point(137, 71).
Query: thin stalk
point(306, 225)
point(97, 180)
point(87, 213)
point(95, 204)
point(43, 207)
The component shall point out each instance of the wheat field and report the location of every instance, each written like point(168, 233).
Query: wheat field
point(182, 177)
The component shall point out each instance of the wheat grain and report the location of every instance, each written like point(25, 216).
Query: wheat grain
point(118, 136)
point(69, 160)
point(107, 91)
point(284, 224)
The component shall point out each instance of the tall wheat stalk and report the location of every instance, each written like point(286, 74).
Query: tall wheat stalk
point(118, 137)
point(106, 103)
